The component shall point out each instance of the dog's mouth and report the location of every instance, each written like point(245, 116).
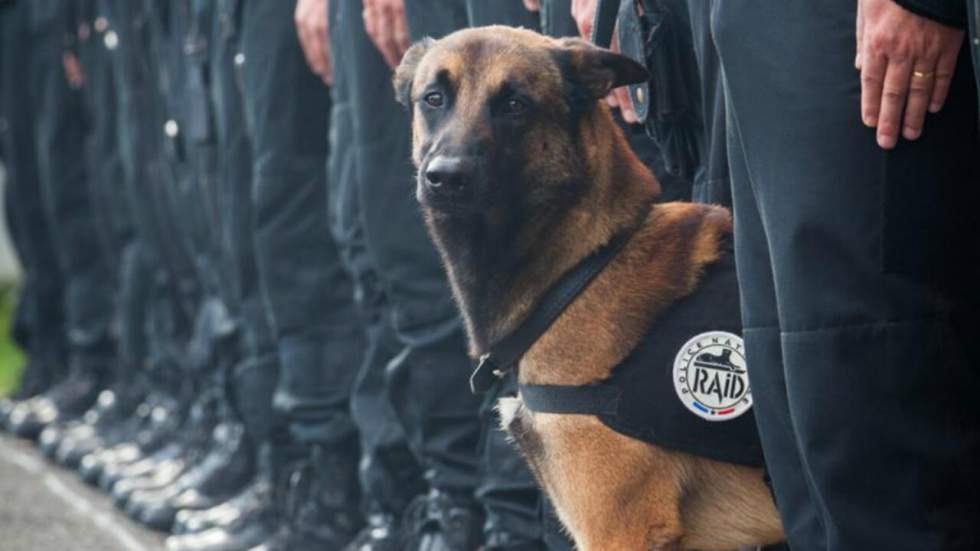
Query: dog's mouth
point(451, 199)
point(455, 203)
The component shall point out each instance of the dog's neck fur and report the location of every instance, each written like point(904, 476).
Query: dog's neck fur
point(500, 263)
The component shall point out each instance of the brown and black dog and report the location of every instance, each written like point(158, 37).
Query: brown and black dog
point(523, 173)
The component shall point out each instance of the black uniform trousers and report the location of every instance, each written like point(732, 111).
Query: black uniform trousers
point(858, 269)
point(40, 312)
point(309, 296)
point(420, 327)
point(390, 475)
point(160, 270)
point(60, 131)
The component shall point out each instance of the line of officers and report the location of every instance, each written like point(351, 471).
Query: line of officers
point(236, 324)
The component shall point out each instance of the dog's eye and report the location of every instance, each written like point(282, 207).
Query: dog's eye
point(434, 99)
point(515, 106)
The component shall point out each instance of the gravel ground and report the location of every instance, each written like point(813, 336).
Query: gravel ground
point(46, 508)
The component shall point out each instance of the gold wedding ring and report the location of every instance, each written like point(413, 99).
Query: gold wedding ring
point(921, 74)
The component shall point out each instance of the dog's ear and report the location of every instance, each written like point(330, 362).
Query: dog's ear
point(405, 73)
point(596, 70)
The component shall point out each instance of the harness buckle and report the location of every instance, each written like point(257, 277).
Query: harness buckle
point(486, 374)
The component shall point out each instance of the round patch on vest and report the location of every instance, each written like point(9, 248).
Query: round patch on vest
point(710, 376)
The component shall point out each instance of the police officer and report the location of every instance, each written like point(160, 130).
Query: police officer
point(40, 315)
point(87, 66)
point(58, 133)
point(421, 332)
point(319, 335)
point(855, 243)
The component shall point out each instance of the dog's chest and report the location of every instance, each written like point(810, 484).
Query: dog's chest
point(684, 387)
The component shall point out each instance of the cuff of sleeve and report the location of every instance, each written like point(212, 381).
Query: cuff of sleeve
point(947, 12)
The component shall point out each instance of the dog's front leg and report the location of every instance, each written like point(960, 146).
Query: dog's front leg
point(612, 492)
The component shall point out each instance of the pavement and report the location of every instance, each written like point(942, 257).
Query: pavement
point(46, 508)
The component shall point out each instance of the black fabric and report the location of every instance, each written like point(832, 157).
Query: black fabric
point(61, 129)
point(603, 22)
point(858, 284)
point(40, 310)
point(639, 399)
point(424, 329)
point(974, 38)
point(308, 295)
point(949, 12)
point(389, 473)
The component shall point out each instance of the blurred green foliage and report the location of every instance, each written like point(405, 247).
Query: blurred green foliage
point(11, 357)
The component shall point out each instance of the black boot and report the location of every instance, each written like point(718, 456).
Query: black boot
point(440, 522)
point(505, 541)
point(164, 466)
point(65, 401)
point(100, 426)
point(251, 518)
point(35, 379)
point(382, 533)
point(154, 424)
point(227, 467)
point(322, 504)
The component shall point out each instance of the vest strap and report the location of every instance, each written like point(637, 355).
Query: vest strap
point(596, 399)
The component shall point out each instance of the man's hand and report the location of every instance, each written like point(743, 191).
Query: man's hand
point(384, 21)
point(532, 5)
point(314, 37)
point(74, 73)
point(906, 63)
point(583, 12)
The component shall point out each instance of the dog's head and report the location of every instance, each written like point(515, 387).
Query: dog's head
point(497, 116)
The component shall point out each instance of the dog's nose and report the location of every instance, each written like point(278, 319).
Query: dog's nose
point(448, 173)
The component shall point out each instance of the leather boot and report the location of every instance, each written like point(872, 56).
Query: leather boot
point(321, 509)
point(505, 541)
point(256, 518)
point(237, 528)
point(190, 521)
point(226, 469)
point(99, 426)
point(438, 521)
point(155, 425)
point(166, 465)
point(63, 402)
point(36, 378)
point(382, 533)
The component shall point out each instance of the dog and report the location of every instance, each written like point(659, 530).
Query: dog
point(522, 174)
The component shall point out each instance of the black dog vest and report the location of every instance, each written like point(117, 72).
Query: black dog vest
point(684, 387)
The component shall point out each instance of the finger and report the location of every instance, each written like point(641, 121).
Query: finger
point(612, 100)
point(921, 85)
point(626, 105)
point(872, 80)
point(304, 43)
point(859, 21)
point(320, 49)
point(894, 93)
point(369, 23)
point(401, 32)
point(945, 68)
point(387, 31)
point(532, 5)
